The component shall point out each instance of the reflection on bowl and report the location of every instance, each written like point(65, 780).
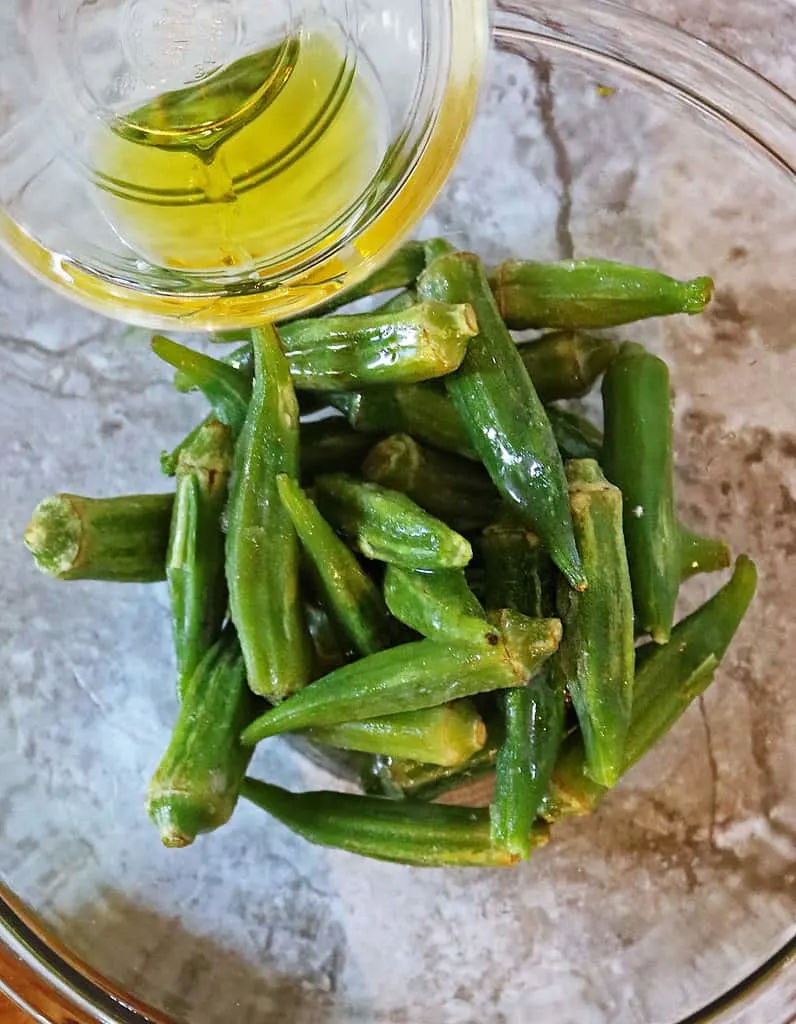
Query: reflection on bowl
point(602, 134)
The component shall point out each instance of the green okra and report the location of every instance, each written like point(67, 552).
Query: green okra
point(423, 411)
point(502, 414)
point(454, 490)
point(571, 793)
point(638, 458)
point(227, 389)
point(349, 594)
point(350, 352)
point(670, 677)
point(438, 605)
point(388, 526)
point(702, 554)
point(566, 364)
point(422, 835)
point(195, 561)
point(415, 676)
point(448, 735)
point(519, 575)
point(197, 784)
point(590, 294)
point(262, 552)
point(118, 540)
point(331, 446)
point(399, 303)
point(596, 660)
point(576, 437)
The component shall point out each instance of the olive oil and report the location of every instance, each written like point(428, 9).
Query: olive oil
point(250, 166)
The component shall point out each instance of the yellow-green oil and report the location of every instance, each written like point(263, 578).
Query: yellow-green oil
point(256, 163)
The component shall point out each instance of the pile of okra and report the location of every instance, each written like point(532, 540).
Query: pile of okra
point(389, 537)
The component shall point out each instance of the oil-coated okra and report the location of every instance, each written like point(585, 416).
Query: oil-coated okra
point(422, 835)
point(427, 340)
point(347, 591)
point(262, 547)
point(453, 489)
point(503, 416)
point(596, 660)
point(438, 605)
point(566, 364)
point(117, 540)
point(388, 526)
point(590, 294)
point(197, 784)
point(195, 563)
point(415, 676)
point(576, 437)
point(448, 735)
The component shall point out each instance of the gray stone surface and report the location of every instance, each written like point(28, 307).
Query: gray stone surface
point(685, 879)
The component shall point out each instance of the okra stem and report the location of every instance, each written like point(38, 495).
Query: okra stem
point(118, 540)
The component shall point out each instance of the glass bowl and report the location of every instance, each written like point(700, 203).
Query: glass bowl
point(601, 132)
point(219, 162)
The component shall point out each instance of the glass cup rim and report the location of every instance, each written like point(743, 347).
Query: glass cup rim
point(642, 45)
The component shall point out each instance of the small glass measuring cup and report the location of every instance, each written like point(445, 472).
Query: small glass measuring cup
point(216, 163)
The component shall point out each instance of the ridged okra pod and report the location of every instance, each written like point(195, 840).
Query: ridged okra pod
point(422, 835)
point(117, 540)
point(195, 563)
point(262, 551)
point(197, 784)
point(504, 418)
point(450, 488)
point(414, 676)
point(596, 659)
point(566, 364)
point(388, 526)
point(348, 592)
point(438, 605)
point(590, 294)
point(448, 735)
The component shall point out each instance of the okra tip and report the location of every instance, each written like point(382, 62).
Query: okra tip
point(53, 535)
point(697, 295)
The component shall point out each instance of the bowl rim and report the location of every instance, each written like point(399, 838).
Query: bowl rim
point(38, 973)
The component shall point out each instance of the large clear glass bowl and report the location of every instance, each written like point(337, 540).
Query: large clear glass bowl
point(601, 132)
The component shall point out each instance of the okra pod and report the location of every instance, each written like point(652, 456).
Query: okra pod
point(349, 352)
point(227, 390)
point(421, 835)
point(669, 678)
point(503, 416)
point(638, 458)
point(701, 554)
point(197, 784)
point(519, 575)
point(349, 594)
point(328, 649)
point(423, 411)
point(576, 437)
point(414, 676)
point(447, 735)
point(566, 364)
point(452, 489)
point(118, 540)
point(438, 605)
point(388, 526)
point(596, 659)
point(572, 793)
point(262, 552)
point(195, 563)
point(590, 294)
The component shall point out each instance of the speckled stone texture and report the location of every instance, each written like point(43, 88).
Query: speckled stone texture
point(684, 881)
